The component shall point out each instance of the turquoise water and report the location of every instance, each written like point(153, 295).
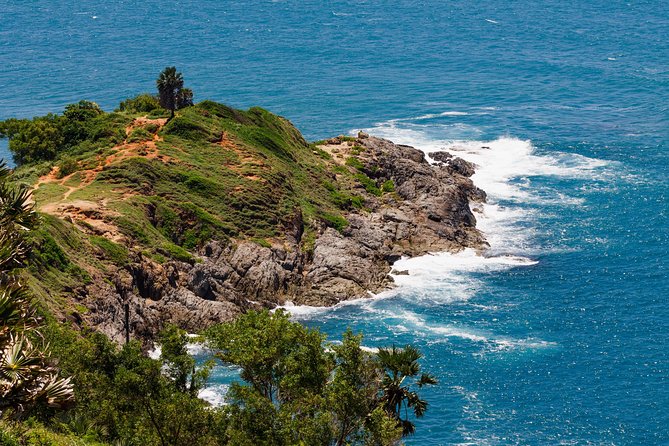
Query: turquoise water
point(561, 334)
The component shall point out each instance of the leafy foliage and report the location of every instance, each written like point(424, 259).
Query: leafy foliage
point(171, 92)
point(27, 376)
point(402, 370)
point(143, 103)
point(299, 390)
point(45, 138)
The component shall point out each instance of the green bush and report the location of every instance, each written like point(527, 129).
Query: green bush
point(118, 254)
point(335, 221)
point(67, 166)
point(187, 128)
point(47, 253)
point(357, 149)
point(342, 199)
point(139, 134)
point(176, 252)
point(388, 186)
point(143, 103)
point(34, 140)
point(151, 127)
point(369, 184)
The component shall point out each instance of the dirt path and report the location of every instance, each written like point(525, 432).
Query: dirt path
point(147, 149)
point(96, 215)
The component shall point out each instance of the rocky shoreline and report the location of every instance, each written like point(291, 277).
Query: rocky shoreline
point(428, 211)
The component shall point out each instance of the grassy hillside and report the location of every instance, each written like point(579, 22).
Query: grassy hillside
point(111, 186)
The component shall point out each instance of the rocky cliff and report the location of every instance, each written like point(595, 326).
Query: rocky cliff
point(429, 211)
point(218, 211)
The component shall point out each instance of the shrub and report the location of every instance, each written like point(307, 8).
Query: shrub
point(143, 103)
point(33, 140)
point(118, 254)
point(369, 184)
point(388, 186)
point(151, 127)
point(67, 166)
point(139, 134)
point(335, 221)
point(187, 129)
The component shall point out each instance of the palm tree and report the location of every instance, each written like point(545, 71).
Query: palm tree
point(27, 376)
point(171, 90)
point(401, 368)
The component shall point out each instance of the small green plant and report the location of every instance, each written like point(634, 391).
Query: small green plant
point(354, 162)
point(388, 186)
point(118, 254)
point(140, 134)
point(143, 103)
point(335, 221)
point(357, 149)
point(369, 184)
point(67, 166)
point(176, 252)
point(262, 242)
point(151, 127)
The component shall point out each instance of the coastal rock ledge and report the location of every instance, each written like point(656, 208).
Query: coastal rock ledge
point(426, 208)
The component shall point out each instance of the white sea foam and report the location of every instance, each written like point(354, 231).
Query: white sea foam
point(193, 348)
point(489, 342)
point(300, 310)
point(214, 395)
point(505, 168)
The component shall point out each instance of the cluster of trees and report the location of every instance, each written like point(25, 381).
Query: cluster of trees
point(43, 138)
point(46, 138)
point(299, 390)
point(171, 91)
point(295, 390)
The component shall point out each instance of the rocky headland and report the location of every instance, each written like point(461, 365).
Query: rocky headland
point(220, 211)
point(429, 212)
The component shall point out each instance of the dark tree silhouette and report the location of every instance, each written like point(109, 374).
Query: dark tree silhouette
point(171, 91)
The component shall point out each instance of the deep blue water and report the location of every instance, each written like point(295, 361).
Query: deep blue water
point(565, 343)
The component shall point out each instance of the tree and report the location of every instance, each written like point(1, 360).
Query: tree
point(179, 365)
point(171, 92)
point(143, 103)
point(185, 98)
point(401, 368)
point(352, 393)
point(27, 375)
point(34, 140)
point(298, 389)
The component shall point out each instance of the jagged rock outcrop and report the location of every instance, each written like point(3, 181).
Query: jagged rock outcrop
point(428, 211)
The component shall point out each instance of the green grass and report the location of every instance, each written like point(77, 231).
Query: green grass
point(232, 175)
point(117, 254)
point(49, 192)
point(354, 162)
point(388, 186)
point(369, 184)
point(139, 134)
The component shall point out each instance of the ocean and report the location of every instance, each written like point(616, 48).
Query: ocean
point(559, 334)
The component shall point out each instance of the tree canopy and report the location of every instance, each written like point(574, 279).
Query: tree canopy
point(171, 91)
point(300, 390)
